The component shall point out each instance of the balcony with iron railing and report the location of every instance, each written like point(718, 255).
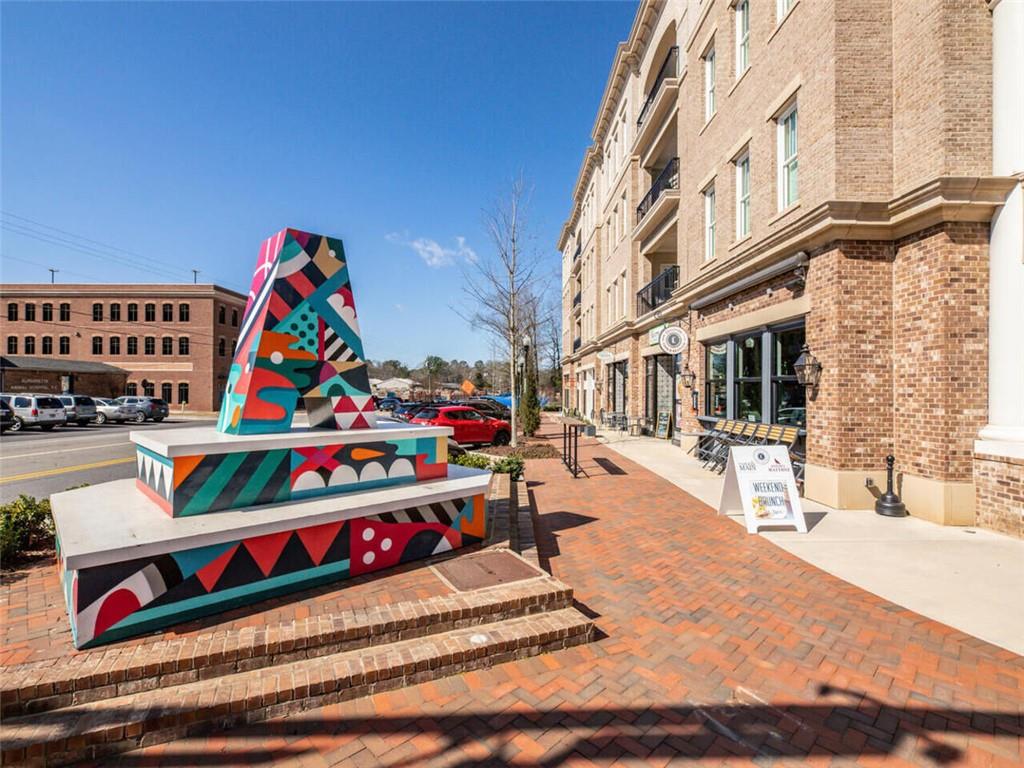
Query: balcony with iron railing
point(658, 291)
point(667, 179)
point(669, 68)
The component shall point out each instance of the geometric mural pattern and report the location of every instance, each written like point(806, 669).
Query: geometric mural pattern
point(194, 485)
point(299, 339)
point(110, 602)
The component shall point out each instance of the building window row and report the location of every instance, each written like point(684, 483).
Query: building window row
point(167, 312)
point(46, 345)
point(30, 312)
point(222, 316)
point(131, 389)
point(132, 345)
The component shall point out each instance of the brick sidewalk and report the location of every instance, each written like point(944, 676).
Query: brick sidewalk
point(716, 645)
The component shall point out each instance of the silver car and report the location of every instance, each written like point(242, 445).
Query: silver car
point(111, 410)
point(80, 409)
point(43, 411)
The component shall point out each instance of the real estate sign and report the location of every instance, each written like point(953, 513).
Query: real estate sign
point(759, 481)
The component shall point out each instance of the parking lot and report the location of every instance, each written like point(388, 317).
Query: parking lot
point(39, 463)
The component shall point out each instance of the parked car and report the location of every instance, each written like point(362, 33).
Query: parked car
point(148, 407)
point(489, 408)
point(6, 417)
point(405, 411)
point(79, 409)
point(388, 403)
point(111, 410)
point(43, 411)
point(470, 425)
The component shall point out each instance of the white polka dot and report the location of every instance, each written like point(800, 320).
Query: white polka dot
point(276, 358)
point(368, 558)
point(367, 534)
point(385, 545)
point(332, 253)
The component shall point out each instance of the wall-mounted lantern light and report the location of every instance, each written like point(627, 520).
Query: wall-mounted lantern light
point(689, 378)
point(807, 368)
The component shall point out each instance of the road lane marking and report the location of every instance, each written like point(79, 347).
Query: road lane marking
point(10, 456)
point(64, 470)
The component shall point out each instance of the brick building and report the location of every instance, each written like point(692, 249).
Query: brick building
point(175, 341)
point(848, 175)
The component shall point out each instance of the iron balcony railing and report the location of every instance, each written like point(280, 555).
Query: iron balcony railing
point(667, 179)
point(576, 345)
point(576, 299)
point(657, 292)
point(670, 68)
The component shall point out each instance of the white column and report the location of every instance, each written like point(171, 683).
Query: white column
point(1006, 249)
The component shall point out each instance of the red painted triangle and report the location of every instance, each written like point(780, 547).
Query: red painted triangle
point(360, 422)
point(266, 549)
point(317, 539)
point(345, 404)
point(212, 571)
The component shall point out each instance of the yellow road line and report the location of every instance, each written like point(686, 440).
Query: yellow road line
point(64, 470)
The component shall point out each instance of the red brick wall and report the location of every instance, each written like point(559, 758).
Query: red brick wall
point(999, 494)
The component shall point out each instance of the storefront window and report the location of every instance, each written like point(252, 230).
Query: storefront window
point(658, 386)
point(788, 397)
point(717, 394)
point(753, 388)
point(618, 376)
point(748, 378)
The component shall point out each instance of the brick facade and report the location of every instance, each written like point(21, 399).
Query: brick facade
point(197, 363)
point(999, 484)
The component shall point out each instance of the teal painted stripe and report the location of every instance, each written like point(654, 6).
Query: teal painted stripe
point(333, 490)
point(250, 493)
point(155, 456)
point(210, 490)
point(146, 620)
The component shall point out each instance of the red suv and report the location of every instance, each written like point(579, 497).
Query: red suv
point(470, 425)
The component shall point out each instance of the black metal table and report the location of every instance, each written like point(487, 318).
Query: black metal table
point(571, 444)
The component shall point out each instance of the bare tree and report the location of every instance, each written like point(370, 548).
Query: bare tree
point(499, 283)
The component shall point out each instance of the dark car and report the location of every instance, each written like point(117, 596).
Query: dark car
point(149, 407)
point(6, 416)
point(469, 425)
point(388, 403)
point(405, 411)
point(489, 408)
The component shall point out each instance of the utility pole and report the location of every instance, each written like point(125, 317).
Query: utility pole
point(52, 273)
point(195, 276)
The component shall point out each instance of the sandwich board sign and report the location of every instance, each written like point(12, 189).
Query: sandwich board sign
point(759, 481)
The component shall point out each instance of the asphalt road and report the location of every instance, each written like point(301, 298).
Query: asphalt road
point(39, 463)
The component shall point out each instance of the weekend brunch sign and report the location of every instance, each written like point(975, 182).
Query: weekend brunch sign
point(759, 480)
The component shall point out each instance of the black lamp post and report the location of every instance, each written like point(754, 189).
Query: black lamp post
point(807, 368)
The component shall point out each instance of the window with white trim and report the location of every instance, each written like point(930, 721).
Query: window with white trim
point(709, 222)
point(787, 153)
point(742, 37)
point(743, 195)
point(709, 84)
point(782, 8)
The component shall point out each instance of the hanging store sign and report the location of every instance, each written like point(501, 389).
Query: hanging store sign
point(605, 356)
point(654, 335)
point(759, 481)
point(673, 340)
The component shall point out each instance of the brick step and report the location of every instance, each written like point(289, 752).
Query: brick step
point(120, 671)
point(117, 724)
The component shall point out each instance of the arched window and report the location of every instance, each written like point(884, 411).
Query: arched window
point(114, 345)
point(234, 317)
point(148, 388)
point(133, 345)
point(12, 345)
point(133, 313)
point(97, 312)
point(221, 314)
point(150, 345)
point(183, 345)
point(47, 313)
point(166, 389)
point(30, 312)
point(65, 345)
point(115, 312)
point(168, 313)
point(47, 345)
point(167, 346)
point(30, 345)
point(151, 313)
point(65, 312)
point(221, 347)
point(97, 345)
point(12, 311)
point(131, 389)
point(183, 392)
point(183, 313)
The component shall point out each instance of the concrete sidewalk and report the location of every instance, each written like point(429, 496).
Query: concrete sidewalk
point(962, 577)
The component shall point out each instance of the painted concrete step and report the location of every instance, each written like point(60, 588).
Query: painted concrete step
point(121, 723)
point(123, 670)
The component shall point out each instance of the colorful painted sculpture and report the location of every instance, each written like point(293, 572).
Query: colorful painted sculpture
point(299, 339)
point(223, 517)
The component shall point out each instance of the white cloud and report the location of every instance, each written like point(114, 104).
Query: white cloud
point(432, 252)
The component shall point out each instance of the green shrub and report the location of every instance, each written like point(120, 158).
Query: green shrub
point(551, 408)
point(513, 466)
point(472, 460)
point(25, 525)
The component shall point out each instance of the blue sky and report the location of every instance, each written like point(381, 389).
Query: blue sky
point(185, 133)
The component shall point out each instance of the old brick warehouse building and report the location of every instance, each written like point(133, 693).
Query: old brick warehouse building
point(845, 175)
point(175, 341)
